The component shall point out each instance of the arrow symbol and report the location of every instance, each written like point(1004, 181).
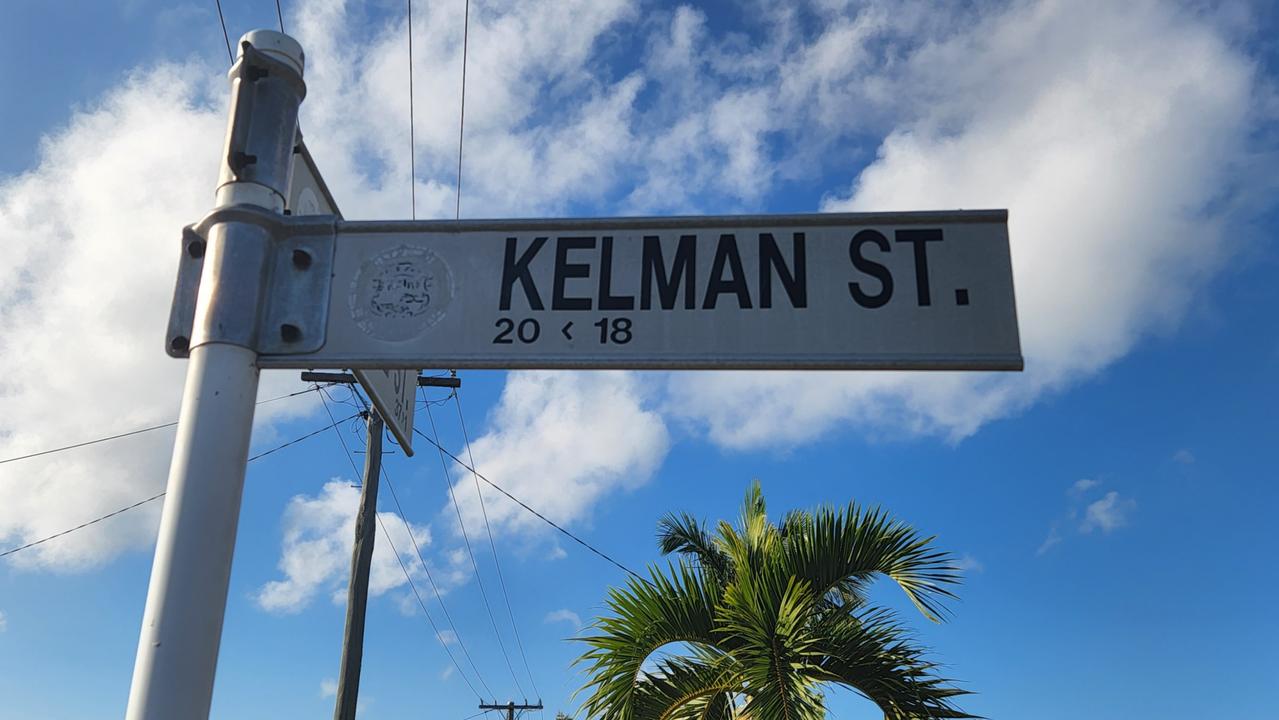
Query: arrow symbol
point(565, 330)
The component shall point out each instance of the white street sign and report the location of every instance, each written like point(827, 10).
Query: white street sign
point(308, 195)
point(897, 291)
point(394, 394)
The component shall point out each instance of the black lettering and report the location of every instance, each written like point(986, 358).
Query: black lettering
point(872, 268)
point(726, 253)
point(609, 301)
point(794, 280)
point(565, 270)
point(668, 283)
point(513, 270)
point(920, 239)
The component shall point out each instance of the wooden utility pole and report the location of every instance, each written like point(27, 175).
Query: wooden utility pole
point(357, 594)
point(511, 707)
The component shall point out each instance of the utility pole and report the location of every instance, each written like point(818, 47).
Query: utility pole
point(357, 594)
point(186, 599)
point(511, 707)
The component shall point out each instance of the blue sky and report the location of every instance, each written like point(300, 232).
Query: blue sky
point(1112, 503)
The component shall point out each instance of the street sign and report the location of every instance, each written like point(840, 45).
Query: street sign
point(895, 291)
point(394, 394)
point(307, 289)
point(308, 195)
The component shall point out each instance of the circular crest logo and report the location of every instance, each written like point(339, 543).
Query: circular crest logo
point(400, 293)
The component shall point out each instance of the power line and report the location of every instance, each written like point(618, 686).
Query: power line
point(448, 482)
point(457, 400)
point(461, 121)
point(139, 431)
point(412, 143)
point(434, 588)
point(430, 578)
point(522, 504)
point(421, 604)
point(81, 526)
point(280, 14)
point(157, 496)
point(311, 434)
point(409, 578)
point(227, 38)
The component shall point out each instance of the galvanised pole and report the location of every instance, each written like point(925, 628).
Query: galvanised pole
point(186, 599)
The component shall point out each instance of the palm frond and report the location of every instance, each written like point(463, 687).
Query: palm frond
point(872, 653)
point(682, 533)
point(672, 607)
point(842, 550)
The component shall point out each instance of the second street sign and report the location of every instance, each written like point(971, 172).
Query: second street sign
point(894, 291)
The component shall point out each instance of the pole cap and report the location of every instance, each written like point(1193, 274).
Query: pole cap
point(278, 45)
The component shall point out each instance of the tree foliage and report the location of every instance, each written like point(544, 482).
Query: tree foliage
point(754, 619)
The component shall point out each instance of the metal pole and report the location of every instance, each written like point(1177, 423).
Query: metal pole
point(186, 600)
point(357, 595)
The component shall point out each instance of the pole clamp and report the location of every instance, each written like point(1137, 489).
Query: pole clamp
point(292, 312)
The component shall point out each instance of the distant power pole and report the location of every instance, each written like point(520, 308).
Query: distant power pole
point(511, 707)
point(357, 595)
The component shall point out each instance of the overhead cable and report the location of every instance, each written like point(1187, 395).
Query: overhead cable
point(457, 399)
point(408, 577)
point(524, 505)
point(157, 496)
point(139, 431)
point(448, 482)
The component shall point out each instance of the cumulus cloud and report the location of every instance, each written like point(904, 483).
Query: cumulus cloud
point(1107, 514)
point(1112, 131)
point(1082, 486)
point(316, 550)
point(328, 688)
point(91, 241)
point(561, 442)
point(564, 615)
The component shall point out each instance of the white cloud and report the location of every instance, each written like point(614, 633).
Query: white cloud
point(4, 621)
point(1112, 131)
point(447, 637)
point(1183, 457)
point(1107, 514)
point(560, 441)
point(316, 553)
point(1053, 539)
point(1082, 486)
point(564, 615)
point(328, 688)
point(91, 241)
point(447, 672)
point(969, 564)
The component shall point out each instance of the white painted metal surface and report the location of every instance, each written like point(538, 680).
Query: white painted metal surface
point(928, 290)
point(394, 394)
point(186, 600)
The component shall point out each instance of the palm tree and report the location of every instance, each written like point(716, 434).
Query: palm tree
point(753, 620)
